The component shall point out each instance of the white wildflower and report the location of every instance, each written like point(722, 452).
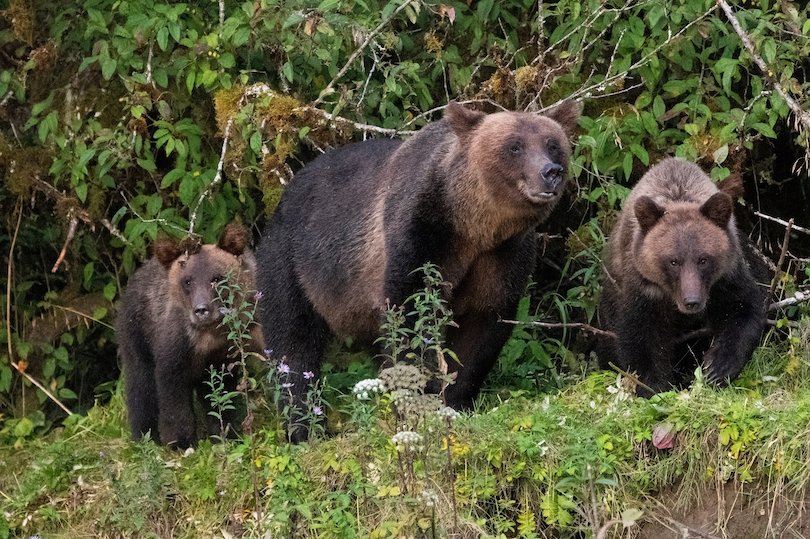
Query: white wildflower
point(364, 389)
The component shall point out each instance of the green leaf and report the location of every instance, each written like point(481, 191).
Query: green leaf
point(190, 78)
point(287, 69)
point(256, 142)
point(227, 60)
point(627, 164)
point(328, 5)
point(171, 177)
point(66, 393)
point(639, 151)
point(81, 192)
point(720, 154)
point(23, 428)
point(163, 38)
point(108, 66)
point(110, 290)
point(631, 516)
point(764, 129)
point(42, 105)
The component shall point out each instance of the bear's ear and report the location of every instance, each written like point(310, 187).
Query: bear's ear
point(462, 120)
point(167, 250)
point(647, 213)
point(718, 209)
point(234, 239)
point(732, 186)
point(566, 114)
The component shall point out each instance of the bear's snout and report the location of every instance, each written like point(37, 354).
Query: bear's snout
point(552, 174)
point(201, 311)
point(692, 296)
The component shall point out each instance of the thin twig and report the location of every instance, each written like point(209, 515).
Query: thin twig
point(9, 274)
point(217, 178)
point(782, 222)
point(562, 325)
point(330, 87)
point(74, 223)
point(801, 115)
point(778, 274)
point(632, 377)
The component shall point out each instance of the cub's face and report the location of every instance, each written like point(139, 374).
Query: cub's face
point(193, 273)
point(194, 281)
point(684, 250)
point(522, 157)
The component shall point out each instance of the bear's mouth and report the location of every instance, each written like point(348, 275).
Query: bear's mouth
point(540, 197)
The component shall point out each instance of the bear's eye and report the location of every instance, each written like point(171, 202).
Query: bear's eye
point(674, 263)
point(553, 145)
point(702, 261)
point(516, 147)
point(187, 282)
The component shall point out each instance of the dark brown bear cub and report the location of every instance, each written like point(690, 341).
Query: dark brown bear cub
point(673, 265)
point(169, 333)
point(464, 193)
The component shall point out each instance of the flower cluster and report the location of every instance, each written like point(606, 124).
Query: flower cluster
point(365, 388)
point(406, 439)
point(402, 376)
point(447, 412)
point(428, 497)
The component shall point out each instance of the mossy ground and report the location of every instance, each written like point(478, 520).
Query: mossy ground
point(558, 465)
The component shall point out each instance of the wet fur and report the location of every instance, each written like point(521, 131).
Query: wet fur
point(354, 224)
point(676, 212)
point(165, 355)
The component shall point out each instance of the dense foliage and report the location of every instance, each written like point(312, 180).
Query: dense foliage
point(123, 119)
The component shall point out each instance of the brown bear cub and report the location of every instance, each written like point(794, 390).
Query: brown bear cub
point(674, 264)
point(169, 333)
point(464, 193)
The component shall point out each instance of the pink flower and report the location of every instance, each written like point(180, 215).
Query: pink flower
point(664, 436)
point(308, 375)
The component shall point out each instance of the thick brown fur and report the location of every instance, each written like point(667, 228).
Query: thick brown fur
point(674, 263)
point(464, 193)
point(169, 333)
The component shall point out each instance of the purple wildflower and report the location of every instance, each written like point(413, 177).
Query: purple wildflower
point(308, 375)
point(268, 352)
point(258, 295)
point(283, 368)
point(317, 410)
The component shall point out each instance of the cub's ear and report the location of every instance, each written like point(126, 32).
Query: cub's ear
point(462, 120)
point(167, 250)
point(732, 186)
point(234, 239)
point(647, 213)
point(566, 114)
point(718, 209)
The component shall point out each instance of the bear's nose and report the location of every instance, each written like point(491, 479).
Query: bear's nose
point(552, 175)
point(692, 304)
point(201, 311)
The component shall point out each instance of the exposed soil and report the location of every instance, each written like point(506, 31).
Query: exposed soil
point(732, 511)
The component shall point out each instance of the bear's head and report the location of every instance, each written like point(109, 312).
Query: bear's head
point(685, 248)
point(193, 271)
point(521, 157)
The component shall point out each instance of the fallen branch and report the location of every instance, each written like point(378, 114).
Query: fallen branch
point(782, 222)
point(798, 297)
point(560, 325)
point(20, 368)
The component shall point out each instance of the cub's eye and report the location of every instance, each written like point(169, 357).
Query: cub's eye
point(702, 261)
point(516, 148)
point(674, 263)
point(187, 281)
point(553, 145)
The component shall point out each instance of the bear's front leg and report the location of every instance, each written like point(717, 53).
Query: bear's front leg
point(645, 345)
point(736, 317)
point(176, 420)
point(490, 292)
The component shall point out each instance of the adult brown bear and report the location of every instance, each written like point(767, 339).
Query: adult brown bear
point(674, 264)
point(464, 193)
point(169, 333)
